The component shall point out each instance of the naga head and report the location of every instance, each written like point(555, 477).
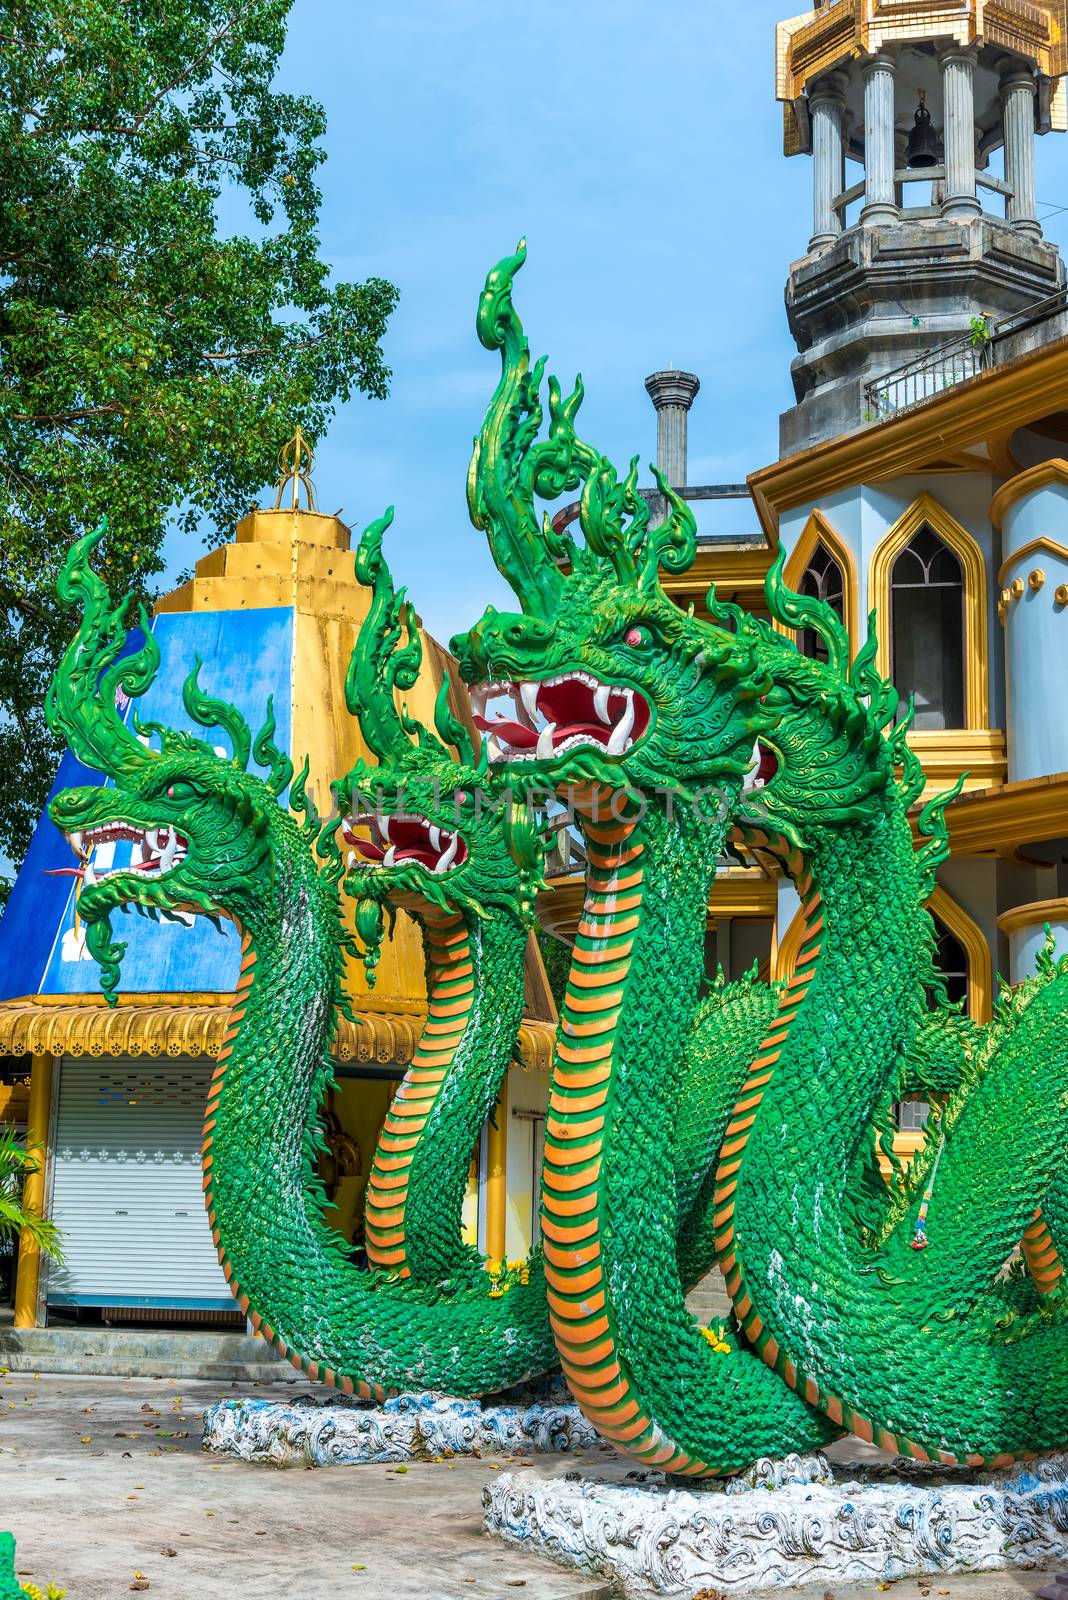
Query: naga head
point(607, 680)
point(205, 833)
point(430, 827)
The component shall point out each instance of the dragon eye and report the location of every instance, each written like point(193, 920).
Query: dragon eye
point(637, 636)
point(170, 792)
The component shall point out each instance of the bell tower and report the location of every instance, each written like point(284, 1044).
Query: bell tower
point(907, 111)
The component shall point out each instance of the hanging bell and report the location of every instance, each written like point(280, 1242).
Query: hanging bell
point(923, 141)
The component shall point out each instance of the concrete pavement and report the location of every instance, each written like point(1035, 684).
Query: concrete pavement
point(105, 1486)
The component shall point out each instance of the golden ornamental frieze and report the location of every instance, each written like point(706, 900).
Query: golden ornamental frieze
point(86, 1028)
point(815, 41)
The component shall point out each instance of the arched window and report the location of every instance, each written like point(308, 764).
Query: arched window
point(824, 580)
point(951, 959)
point(927, 630)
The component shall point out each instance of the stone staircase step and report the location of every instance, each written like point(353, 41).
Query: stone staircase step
point(143, 1353)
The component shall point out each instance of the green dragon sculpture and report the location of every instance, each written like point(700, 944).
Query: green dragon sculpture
point(466, 862)
point(431, 831)
point(649, 722)
point(746, 1126)
point(644, 708)
point(215, 841)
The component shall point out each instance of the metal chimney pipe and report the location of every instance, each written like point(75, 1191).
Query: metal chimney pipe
point(672, 393)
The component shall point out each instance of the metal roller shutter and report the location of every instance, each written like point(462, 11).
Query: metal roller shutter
point(126, 1185)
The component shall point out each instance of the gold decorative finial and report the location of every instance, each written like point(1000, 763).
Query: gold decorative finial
point(295, 462)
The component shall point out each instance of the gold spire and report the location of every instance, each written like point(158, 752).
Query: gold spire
point(295, 464)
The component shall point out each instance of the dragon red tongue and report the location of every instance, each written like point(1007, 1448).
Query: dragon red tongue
point(369, 851)
point(513, 733)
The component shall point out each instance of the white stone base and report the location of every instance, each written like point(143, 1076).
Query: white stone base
point(790, 1525)
point(314, 1432)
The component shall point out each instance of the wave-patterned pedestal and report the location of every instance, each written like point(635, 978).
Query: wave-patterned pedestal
point(412, 1427)
point(790, 1525)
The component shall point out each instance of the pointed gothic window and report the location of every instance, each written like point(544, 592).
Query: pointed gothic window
point(927, 630)
point(822, 579)
point(951, 960)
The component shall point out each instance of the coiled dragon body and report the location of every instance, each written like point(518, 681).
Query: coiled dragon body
point(742, 1126)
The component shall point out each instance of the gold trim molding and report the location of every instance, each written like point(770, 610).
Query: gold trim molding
point(946, 753)
point(738, 572)
point(1000, 820)
point(789, 948)
point(925, 510)
point(1004, 397)
point(1041, 543)
point(1027, 916)
point(818, 530)
point(85, 1028)
point(1029, 482)
point(811, 44)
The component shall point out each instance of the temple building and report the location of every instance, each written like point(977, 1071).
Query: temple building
point(922, 473)
point(115, 1097)
point(923, 469)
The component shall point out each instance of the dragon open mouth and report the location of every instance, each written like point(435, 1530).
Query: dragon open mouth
point(161, 849)
point(402, 836)
point(560, 714)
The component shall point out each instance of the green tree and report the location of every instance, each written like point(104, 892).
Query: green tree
point(17, 1161)
point(150, 365)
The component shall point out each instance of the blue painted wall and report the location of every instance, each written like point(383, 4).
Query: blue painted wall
point(1036, 638)
point(247, 655)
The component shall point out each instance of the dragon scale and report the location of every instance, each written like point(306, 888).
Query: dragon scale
point(746, 1123)
point(638, 1366)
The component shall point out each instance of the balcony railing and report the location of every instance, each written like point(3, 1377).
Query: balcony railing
point(953, 362)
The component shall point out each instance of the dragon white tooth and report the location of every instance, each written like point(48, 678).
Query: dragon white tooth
point(446, 861)
point(76, 841)
point(528, 694)
point(545, 741)
point(166, 860)
point(435, 837)
point(621, 732)
point(88, 878)
point(600, 701)
point(493, 744)
point(388, 858)
point(352, 861)
point(152, 838)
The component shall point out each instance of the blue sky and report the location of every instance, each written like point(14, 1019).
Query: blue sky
point(639, 149)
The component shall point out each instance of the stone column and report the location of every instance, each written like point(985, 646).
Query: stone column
point(826, 102)
point(672, 393)
point(1018, 112)
point(958, 92)
point(879, 204)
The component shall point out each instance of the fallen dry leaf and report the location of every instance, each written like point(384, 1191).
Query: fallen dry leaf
point(168, 1552)
point(140, 1583)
